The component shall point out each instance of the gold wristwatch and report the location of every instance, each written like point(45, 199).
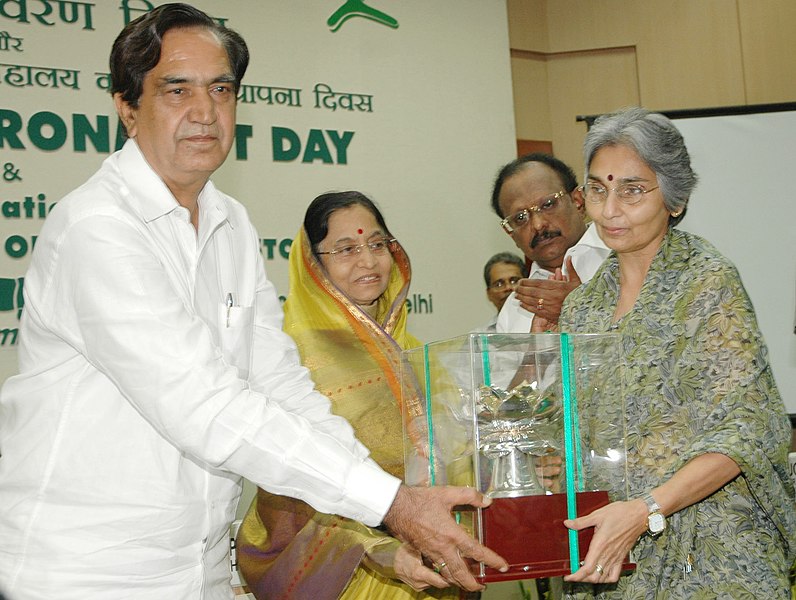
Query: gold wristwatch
point(656, 522)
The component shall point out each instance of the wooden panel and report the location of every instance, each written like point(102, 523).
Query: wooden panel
point(551, 90)
point(769, 60)
point(531, 105)
point(528, 24)
point(511, 527)
point(529, 146)
point(689, 54)
point(590, 24)
point(587, 83)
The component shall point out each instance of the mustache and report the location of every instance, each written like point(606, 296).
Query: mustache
point(545, 235)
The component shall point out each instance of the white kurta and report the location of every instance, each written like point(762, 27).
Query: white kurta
point(124, 437)
point(587, 256)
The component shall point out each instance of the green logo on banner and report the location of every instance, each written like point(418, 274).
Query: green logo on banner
point(358, 8)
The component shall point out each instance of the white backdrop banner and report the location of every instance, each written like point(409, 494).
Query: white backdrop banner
point(407, 101)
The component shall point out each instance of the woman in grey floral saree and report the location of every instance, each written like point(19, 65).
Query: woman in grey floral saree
point(710, 512)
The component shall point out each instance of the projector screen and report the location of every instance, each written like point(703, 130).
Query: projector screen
point(745, 206)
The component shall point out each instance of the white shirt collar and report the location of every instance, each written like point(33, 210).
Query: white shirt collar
point(152, 195)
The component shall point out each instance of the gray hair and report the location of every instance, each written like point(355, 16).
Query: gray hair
point(508, 258)
point(659, 144)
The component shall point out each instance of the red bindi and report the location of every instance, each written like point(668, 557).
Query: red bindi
point(610, 177)
point(359, 231)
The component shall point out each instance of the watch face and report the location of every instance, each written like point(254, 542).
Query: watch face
point(656, 522)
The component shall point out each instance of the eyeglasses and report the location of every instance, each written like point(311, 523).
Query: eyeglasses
point(517, 221)
point(627, 193)
point(349, 252)
point(499, 284)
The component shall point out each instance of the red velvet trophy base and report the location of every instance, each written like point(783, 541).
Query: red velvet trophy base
point(529, 533)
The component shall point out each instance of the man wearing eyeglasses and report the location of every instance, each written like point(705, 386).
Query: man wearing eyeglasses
point(502, 272)
point(542, 209)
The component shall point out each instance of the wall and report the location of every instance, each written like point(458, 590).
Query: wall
point(584, 57)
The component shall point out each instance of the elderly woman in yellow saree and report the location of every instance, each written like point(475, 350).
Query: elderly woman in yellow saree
point(346, 312)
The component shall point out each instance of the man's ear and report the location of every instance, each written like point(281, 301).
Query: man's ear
point(579, 200)
point(127, 114)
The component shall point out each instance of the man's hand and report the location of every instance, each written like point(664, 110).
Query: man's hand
point(540, 325)
point(422, 517)
point(410, 569)
point(548, 471)
point(544, 297)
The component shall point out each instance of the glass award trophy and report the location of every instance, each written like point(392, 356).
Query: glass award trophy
point(536, 422)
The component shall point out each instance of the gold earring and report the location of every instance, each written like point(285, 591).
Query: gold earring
point(676, 214)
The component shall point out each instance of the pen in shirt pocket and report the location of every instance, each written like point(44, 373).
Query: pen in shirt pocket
point(230, 302)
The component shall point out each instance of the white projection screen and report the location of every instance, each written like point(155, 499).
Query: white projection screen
point(745, 205)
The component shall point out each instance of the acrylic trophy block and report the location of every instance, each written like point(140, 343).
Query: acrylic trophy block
point(536, 422)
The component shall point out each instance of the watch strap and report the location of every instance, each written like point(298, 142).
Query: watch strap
point(652, 506)
point(656, 521)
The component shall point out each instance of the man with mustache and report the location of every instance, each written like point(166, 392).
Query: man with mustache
point(541, 208)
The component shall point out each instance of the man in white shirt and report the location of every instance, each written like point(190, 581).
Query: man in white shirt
point(153, 369)
point(541, 208)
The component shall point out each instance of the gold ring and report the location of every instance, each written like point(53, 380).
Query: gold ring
point(599, 568)
point(540, 303)
point(440, 566)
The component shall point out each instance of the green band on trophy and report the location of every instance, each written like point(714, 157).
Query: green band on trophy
point(568, 393)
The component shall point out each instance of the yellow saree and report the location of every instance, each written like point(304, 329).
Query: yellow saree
point(285, 548)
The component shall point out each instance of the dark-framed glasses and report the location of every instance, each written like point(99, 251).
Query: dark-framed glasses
point(627, 193)
point(349, 252)
point(548, 204)
point(500, 284)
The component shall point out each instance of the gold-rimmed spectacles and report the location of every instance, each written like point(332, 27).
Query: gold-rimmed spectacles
point(547, 205)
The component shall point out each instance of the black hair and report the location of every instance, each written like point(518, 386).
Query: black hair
point(508, 258)
point(136, 49)
point(316, 219)
point(567, 175)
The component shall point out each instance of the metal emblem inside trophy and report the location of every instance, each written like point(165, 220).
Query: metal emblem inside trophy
point(515, 428)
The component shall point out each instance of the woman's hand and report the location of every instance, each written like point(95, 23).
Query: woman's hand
point(617, 527)
point(410, 569)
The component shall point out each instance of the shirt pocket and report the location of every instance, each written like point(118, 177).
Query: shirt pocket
point(236, 329)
